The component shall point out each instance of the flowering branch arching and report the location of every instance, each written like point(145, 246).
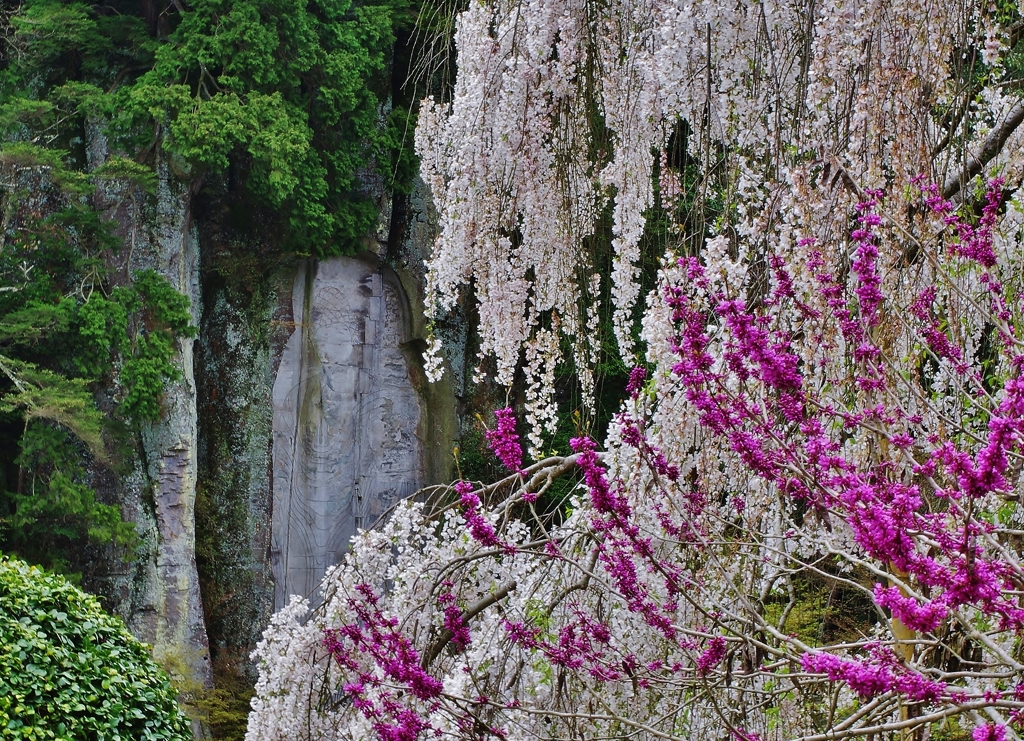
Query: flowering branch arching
point(778, 443)
point(827, 403)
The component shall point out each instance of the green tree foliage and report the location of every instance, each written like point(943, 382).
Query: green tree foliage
point(280, 91)
point(288, 93)
point(64, 331)
point(283, 97)
point(68, 670)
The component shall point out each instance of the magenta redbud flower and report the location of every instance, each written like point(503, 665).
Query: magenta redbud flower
point(503, 440)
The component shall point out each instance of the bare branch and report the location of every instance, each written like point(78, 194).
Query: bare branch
point(990, 149)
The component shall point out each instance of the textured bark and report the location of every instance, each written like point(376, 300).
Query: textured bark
point(989, 150)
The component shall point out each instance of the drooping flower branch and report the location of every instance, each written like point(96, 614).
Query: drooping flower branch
point(779, 441)
point(827, 411)
point(503, 440)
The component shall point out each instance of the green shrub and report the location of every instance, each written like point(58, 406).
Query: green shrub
point(68, 670)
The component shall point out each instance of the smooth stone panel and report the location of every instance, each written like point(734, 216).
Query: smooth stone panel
point(346, 419)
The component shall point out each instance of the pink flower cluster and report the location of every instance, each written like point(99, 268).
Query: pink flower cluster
point(637, 376)
point(923, 309)
point(503, 440)
point(756, 401)
point(974, 242)
point(481, 530)
point(584, 643)
point(453, 621)
point(622, 542)
point(604, 500)
point(882, 672)
point(712, 656)
point(989, 732)
point(864, 265)
point(633, 435)
point(909, 611)
point(377, 637)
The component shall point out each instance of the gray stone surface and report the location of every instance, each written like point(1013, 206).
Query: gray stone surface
point(234, 380)
point(159, 594)
point(171, 616)
point(347, 419)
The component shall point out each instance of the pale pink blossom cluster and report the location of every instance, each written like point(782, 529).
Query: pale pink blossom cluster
point(559, 109)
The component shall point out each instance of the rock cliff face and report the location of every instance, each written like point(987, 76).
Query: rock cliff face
point(314, 414)
point(301, 414)
point(234, 378)
point(159, 595)
point(169, 612)
point(348, 423)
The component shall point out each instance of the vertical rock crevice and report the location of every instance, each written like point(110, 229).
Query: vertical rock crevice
point(234, 381)
point(171, 618)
